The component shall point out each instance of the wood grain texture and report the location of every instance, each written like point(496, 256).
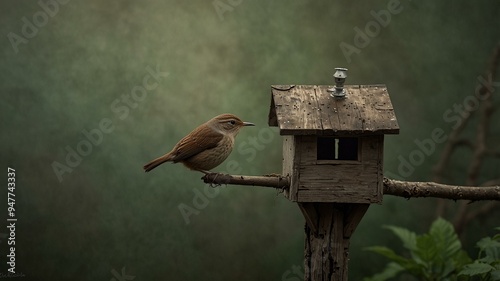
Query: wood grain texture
point(338, 181)
point(328, 231)
point(310, 110)
point(291, 159)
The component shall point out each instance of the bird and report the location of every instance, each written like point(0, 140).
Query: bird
point(206, 147)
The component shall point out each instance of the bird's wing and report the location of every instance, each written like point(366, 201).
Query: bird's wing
point(200, 139)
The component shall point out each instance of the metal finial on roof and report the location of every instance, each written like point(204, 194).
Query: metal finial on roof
point(340, 75)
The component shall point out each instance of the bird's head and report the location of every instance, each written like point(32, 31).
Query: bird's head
point(228, 124)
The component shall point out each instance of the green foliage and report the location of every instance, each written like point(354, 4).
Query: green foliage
point(436, 255)
point(487, 265)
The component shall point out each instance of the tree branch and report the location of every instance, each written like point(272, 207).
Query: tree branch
point(431, 189)
point(479, 148)
point(391, 187)
point(276, 181)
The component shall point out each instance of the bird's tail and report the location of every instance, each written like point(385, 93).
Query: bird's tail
point(157, 162)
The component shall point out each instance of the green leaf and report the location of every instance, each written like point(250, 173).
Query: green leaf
point(391, 270)
point(388, 253)
point(407, 237)
point(496, 237)
point(426, 248)
point(495, 275)
point(487, 242)
point(445, 238)
point(439, 252)
point(440, 245)
point(490, 248)
point(438, 255)
point(461, 259)
point(476, 268)
point(408, 264)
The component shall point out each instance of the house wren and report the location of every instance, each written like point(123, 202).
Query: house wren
point(206, 147)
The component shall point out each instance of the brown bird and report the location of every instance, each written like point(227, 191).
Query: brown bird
point(206, 147)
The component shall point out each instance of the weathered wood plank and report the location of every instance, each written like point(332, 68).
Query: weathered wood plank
point(380, 115)
point(272, 119)
point(307, 149)
point(328, 123)
point(296, 109)
point(311, 215)
point(338, 173)
point(310, 110)
point(319, 197)
point(348, 112)
point(291, 160)
point(327, 249)
point(354, 214)
point(380, 172)
point(341, 181)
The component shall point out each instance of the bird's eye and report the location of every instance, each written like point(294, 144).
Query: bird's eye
point(232, 122)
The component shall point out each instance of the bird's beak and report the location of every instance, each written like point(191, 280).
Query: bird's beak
point(248, 124)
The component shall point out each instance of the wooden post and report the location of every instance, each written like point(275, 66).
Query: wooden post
point(329, 227)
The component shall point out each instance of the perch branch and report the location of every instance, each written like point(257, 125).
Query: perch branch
point(276, 181)
point(431, 189)
point(391, 187)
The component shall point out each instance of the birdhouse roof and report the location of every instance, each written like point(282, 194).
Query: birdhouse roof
point(310, 110)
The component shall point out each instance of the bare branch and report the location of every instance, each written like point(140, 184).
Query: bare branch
point(450, 146)
point(471, 215)
point(391, 187)
point(479, 147)
point(485, 209)
point(276, 181)
point(437, 190)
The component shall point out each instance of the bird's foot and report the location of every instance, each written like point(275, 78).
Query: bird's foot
point(211, 178)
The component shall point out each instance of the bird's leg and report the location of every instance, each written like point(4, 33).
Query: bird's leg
point(215, 175)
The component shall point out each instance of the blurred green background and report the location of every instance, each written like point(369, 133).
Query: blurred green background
point(77, 64)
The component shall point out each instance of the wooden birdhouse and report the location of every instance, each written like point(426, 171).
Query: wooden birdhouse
point(334, 140)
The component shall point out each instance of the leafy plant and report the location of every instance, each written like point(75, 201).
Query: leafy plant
point(438, 255)
point(487, 265)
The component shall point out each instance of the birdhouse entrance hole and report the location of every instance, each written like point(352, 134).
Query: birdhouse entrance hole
point(334, 148)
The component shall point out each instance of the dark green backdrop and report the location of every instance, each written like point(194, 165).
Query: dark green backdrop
point(68, 72)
